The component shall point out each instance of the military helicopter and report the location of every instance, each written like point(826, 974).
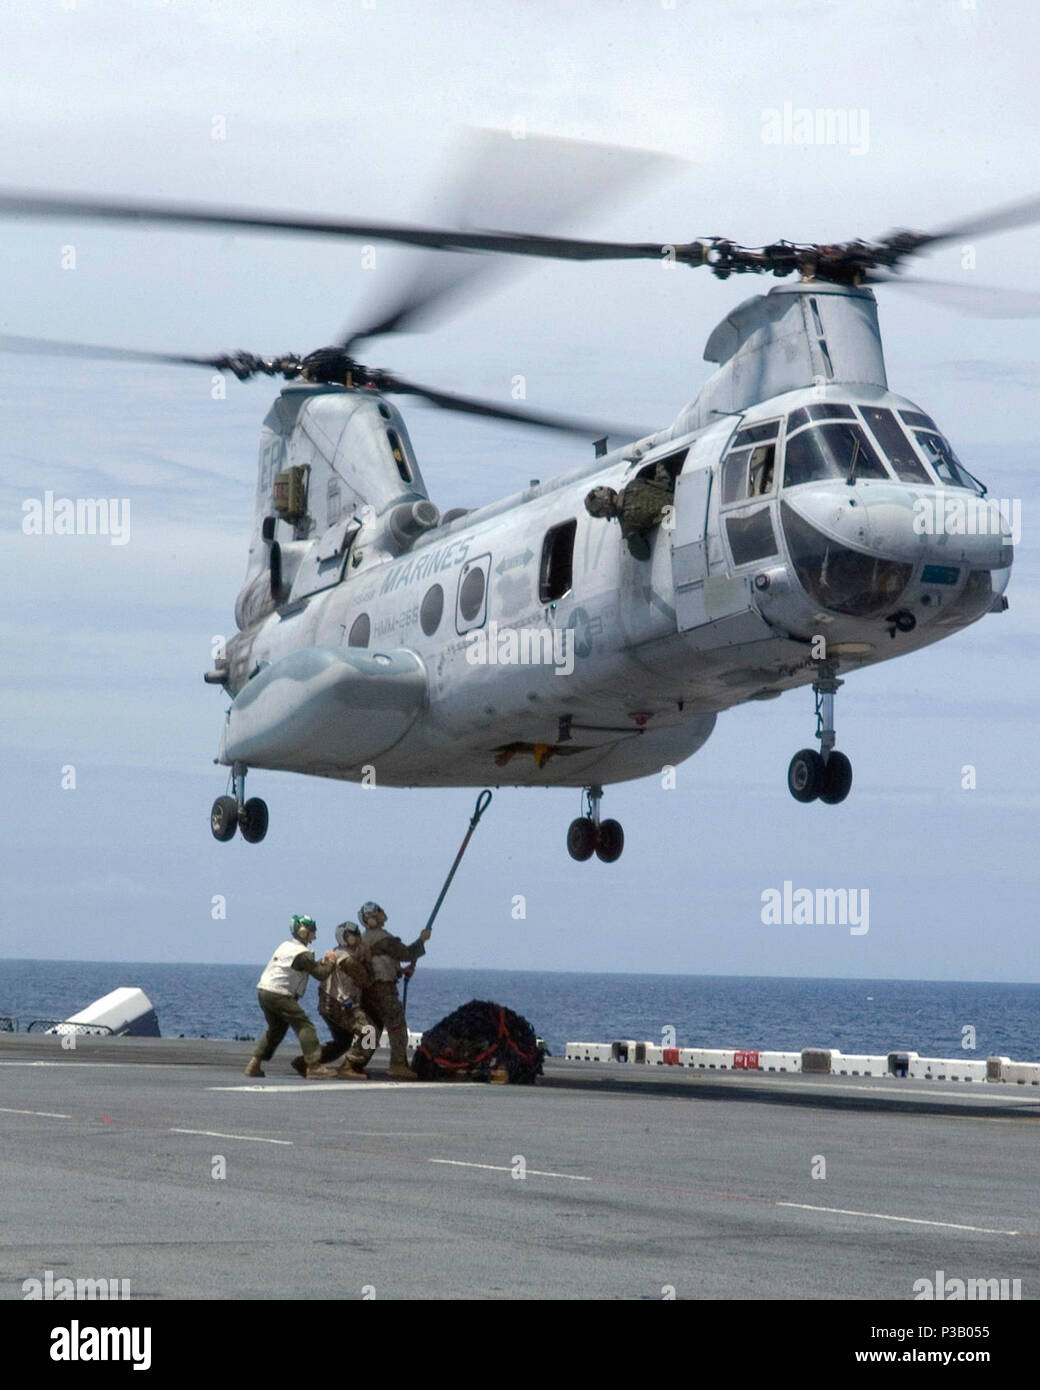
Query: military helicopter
point(807, 534)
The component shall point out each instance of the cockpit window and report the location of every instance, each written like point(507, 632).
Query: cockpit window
point(839, 578)
point(942, 458)
point(825, 410)
point(755, 434)
point(831, 451)
point(919, 420)
point(748, 473)
point(897, 447)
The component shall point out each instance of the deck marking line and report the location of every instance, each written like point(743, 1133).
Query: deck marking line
point(498, 1168)
point(346, 1086)
point(216, 1134)
point(909, 1220)
point(47, 1114)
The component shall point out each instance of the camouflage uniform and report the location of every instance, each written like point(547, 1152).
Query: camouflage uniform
point(339, 1004)
point(380, 1000)
point(641, 506)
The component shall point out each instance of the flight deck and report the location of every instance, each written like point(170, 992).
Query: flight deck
point(155, 1161)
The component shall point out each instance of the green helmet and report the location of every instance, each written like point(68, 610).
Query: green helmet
point(300, 922)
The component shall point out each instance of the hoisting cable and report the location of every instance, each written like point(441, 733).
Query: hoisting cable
point(483, 802)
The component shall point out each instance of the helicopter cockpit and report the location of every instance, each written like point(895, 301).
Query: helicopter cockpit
point(827, 442)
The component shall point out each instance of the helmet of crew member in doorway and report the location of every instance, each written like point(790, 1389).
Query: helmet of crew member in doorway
point(347, 934)
point(602, 502)
point(304, 928)
point(369, 913)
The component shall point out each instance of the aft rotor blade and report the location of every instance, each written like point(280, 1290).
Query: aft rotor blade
point(1021, 214)
point(45, 347)
point(984, 301)
point(470, 405)
point(243, 364)
point(245, 219)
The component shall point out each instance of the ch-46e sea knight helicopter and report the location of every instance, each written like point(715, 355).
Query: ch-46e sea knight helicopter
point(523, 642)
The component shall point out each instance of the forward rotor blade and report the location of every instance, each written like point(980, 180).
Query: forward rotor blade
point(14, 203)
point(984, 301)
point(470, 405)
point(497, 181)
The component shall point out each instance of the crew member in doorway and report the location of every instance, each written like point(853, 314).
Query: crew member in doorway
point(387, 955)
point(339, 1003)
point(280, 989)
point(639, 507)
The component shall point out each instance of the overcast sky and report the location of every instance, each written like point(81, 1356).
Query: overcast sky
point(354, 108)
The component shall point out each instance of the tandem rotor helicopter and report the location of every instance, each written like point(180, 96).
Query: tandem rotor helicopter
point(797, 530)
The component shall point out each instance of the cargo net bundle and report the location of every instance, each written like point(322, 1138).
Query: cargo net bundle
point(481, 1041)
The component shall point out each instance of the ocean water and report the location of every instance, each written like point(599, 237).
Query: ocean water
point(929, 1017)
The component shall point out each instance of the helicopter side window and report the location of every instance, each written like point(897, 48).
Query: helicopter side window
point(360, 631)
point(557, 569)
point(748, 473)
point(830, 451)
point(755, 434)
point(897, 448)
point(760, 470)
point(750, 536)
point(735, 477)
point(942, 458)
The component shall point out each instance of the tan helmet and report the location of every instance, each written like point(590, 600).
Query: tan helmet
point(601, 502)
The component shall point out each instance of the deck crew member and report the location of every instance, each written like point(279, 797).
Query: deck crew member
point(280, 989)
point(339, 1003)
point(387, 954)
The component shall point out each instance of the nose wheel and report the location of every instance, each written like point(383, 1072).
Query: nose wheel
point(588, 835)
point(826, 775)
point(231, 813)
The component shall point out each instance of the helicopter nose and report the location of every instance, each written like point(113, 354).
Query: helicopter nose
point(942, 526)
point(947, 526)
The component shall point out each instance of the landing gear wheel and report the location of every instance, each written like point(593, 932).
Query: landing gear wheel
point(837, 779)
point(805, 775)
point(581, 838)
point(610, 841)
point(223, 819)
point(252, 820)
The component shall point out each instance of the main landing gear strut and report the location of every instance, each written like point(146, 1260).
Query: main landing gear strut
point(828, 773)
point(588, 834)
point(231, 813)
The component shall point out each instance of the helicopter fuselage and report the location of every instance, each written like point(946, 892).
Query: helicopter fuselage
point(524, 644)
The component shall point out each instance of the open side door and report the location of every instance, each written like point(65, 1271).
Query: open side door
point(714, 609)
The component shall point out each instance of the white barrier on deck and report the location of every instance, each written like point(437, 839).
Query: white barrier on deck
point(860, 1064)
point(823, 1061)
point(1002, 1069)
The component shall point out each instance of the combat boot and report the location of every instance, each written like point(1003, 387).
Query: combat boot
point(316, 1072)
point(254, 1068)
point(348, 1073)
point(401, 1071)
point(299, 1064)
